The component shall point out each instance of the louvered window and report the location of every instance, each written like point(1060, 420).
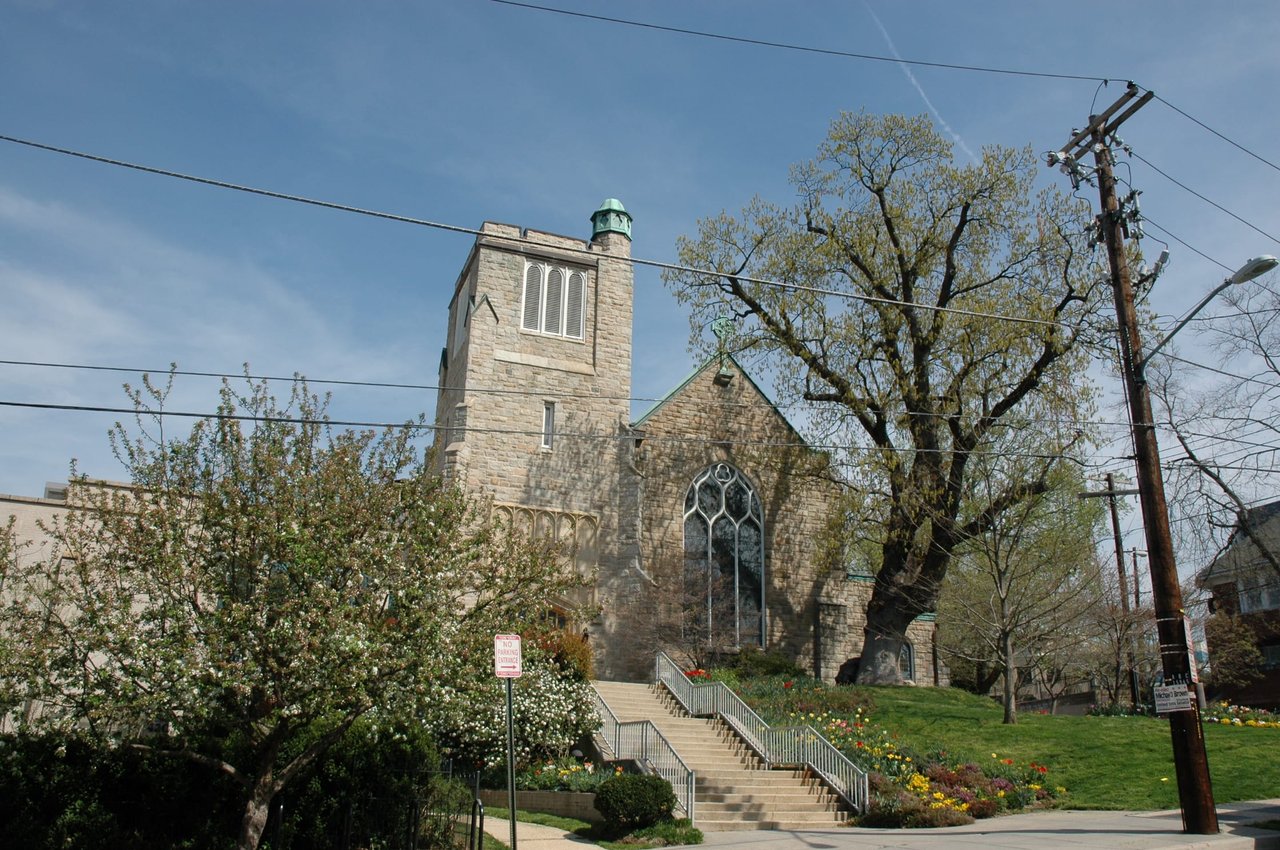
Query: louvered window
point(532, 297)
point(554, 301)
point(553, 313)
point(575, 305)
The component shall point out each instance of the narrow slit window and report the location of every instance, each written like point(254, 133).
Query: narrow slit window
point(548, 423)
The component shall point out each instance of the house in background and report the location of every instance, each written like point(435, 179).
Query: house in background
point(1243, 581)
point(710, 502)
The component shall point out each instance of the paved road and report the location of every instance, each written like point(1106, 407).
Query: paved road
point(1034, 831)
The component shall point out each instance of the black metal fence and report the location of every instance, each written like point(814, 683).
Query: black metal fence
point(437, 811)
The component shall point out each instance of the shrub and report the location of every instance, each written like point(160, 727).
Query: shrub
point(753, 663)
point(568, 651)
point(670, 833)
point(630, 801)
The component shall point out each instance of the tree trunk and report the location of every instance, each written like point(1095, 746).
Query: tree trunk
point(257, 809)
point(1010, 678)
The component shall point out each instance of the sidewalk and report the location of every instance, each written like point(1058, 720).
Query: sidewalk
point(1034, 831)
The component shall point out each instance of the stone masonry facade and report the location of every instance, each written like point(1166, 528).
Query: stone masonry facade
point(539, 422)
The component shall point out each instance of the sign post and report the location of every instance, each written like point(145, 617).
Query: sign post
point(506, 665)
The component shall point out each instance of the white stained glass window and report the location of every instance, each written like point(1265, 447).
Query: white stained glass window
point(724, 556)
point(554, 301)
point(548, 423)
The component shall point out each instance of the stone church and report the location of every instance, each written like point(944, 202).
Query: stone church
point(705, 519)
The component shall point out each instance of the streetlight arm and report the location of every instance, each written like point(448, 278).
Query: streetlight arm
point(1140, 367)
point(1253, 268)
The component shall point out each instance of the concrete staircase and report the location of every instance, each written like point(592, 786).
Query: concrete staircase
point(732, 788)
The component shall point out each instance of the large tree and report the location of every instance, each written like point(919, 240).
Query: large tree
point(264, 579)
point(922, 304)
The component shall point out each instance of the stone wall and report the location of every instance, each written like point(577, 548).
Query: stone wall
point(713, 418)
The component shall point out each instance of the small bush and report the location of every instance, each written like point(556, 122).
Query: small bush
point(630, 801)
point(671, 833)
point(570, 652)
point(753, 663)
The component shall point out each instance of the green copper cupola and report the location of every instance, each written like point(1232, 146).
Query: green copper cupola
point(612, 217)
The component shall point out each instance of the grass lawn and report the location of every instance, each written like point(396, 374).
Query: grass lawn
point(1104, 762)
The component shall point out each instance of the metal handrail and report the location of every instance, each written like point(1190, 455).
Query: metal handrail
point(778, 746)
point(641, 740)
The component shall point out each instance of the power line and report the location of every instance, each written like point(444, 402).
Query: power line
point(757, 42)
point(480, 390)
point(1211, 203)
point(521, 240)
point(511, 432)
point(1187, 245)
point(1231, 142)
point(1243, 378)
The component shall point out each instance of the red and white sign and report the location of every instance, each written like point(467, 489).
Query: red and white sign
point(506, 656)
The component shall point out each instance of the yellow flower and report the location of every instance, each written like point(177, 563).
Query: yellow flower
point(1164, 779)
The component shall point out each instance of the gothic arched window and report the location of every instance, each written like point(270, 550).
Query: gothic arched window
point(724, 558)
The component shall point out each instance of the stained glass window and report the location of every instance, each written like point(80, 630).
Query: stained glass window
point(724, 556)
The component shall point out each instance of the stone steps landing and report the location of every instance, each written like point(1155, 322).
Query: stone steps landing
point(732, 788)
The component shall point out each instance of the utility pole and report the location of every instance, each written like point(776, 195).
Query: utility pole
point(1137, 588)
point(1195, 793)
point(1126, 630)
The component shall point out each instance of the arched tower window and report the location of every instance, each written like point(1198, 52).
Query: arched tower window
point(724, 558)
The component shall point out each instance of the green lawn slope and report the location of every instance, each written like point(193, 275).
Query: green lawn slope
point(1104, 762)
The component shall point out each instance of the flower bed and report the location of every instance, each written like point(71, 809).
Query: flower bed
point(909, 789)
point(1226, 714)
point(564, 775)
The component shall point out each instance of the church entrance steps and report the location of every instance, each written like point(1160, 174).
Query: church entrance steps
point(733, 789)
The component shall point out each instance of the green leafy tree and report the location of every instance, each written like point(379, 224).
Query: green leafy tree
point(263, 578)
point(1021, 583)
point(893, 262)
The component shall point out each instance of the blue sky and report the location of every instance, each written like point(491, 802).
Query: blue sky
point(470, 110)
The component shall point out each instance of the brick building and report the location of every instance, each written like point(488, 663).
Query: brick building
point(709, 498)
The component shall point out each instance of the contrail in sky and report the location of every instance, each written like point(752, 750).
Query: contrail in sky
point(906, 69)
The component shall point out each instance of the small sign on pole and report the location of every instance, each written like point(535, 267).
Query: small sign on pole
point(1172, 698)
point(507, 665)
point(506, 656)
point(1191, 650)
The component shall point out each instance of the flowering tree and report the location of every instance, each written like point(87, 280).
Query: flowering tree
point(265, 577)
point(551, 712)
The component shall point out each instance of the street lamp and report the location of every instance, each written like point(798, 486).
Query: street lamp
point(1191, 764)
point(1254, 267)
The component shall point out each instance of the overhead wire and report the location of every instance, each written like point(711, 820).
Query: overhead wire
point(521, 240)
point(482, 390)
point(424, 426)
point(1221, 136)
point(1175, 181)
point(758, 42)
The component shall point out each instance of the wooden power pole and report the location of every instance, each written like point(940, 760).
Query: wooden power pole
point(1195, 793)
point(1126, 630)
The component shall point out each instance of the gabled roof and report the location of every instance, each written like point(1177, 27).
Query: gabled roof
point(1241, 555)
point(714, 361)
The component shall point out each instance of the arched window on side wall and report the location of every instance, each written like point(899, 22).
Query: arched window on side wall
point(907, 661)
point(724, 569)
